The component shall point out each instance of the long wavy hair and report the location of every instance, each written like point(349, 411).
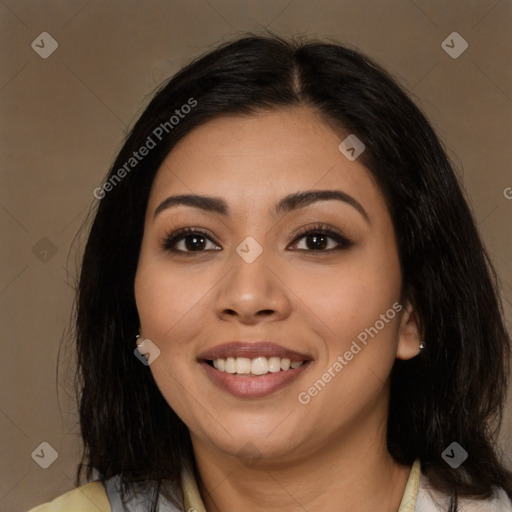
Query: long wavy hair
point(453, 391)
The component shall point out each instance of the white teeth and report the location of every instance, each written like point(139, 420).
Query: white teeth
point(274, 364)
point(230, 365)
point(243, 365)
point(257, 366)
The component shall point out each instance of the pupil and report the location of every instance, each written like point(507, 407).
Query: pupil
point(318, 242)
point(195, 244)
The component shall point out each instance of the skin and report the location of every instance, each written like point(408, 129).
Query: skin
point(329, 454)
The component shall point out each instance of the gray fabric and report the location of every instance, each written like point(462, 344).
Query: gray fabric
point(428, 500)
point(139, 501)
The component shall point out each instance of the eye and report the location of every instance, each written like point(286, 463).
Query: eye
point(321, 238)
point(189, 240)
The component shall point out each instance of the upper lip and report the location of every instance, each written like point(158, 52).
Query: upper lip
point(251, 350)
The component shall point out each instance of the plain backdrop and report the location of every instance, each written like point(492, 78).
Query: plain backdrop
point(64, 117)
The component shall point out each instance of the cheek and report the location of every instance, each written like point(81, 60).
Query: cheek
point(169, 319)
point(352, 296)
point(361, 315)
point(168, 301)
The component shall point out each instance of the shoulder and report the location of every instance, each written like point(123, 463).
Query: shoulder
point(432, 500)
point(87, 498)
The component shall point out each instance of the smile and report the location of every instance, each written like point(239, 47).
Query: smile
point(252, 369)
point(257, 366)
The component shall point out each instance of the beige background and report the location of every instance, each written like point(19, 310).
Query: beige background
point(64, 117)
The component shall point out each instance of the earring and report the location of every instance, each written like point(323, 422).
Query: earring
point(421, 347)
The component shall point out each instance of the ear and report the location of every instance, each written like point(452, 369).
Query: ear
point(409, 336)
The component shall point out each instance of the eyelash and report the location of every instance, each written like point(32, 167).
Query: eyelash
point(167, 244)
point(326, 230)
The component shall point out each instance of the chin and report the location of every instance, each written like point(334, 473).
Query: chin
point(251, 444)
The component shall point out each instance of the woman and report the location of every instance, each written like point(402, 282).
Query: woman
point(284, 302)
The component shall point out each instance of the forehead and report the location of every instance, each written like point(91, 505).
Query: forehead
point(260, 157)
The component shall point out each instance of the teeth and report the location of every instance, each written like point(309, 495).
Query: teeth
point(274, 364)
point(257, 366)
point(230, 365)
point(243, 365)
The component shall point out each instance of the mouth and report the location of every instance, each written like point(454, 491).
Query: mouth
point(253, 370)
point(243, 366)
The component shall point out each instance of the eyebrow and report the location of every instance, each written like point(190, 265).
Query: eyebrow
point(287, 204)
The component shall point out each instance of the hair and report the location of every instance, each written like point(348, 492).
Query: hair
point(453, 391)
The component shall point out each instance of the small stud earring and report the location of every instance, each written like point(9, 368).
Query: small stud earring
point(421, 347)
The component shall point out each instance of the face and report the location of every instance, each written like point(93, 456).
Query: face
point(277, 311)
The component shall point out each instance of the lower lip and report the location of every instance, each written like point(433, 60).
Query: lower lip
point(252, 387)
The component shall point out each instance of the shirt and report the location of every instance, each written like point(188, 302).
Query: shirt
point(419, 496)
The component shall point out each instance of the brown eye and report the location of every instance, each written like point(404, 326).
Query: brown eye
point(321, 239)
point(317, 241)
point(189, 240)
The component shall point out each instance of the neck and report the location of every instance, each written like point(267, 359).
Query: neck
point(349, 473)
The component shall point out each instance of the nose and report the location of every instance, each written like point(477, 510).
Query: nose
point(252, 293)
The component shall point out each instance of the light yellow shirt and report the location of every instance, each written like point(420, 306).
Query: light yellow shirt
point(418, 496)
